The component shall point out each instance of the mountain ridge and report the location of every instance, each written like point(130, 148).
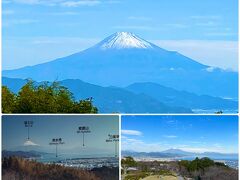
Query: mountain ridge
point(171, 96)
point(178, 153)
point(107, 99)
point(128, 100)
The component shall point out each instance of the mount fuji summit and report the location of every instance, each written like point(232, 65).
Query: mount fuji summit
point(124, 58)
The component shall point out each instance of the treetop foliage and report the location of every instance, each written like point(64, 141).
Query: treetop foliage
point(199, 164)
point(128, 162)
point(44, 98)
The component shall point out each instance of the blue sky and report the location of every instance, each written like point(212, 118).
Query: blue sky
point(189, 133)
point(36, 31)
point(47, 127)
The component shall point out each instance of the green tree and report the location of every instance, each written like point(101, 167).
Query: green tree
point(26, 99)
point(84, 106)
point(44, 98)
point(129, 161)
point(8, 100)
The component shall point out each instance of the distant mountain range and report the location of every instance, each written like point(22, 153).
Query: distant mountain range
point(136, 98)
point(124, 58)
point(174, 97)
point(178, 154)
point(23, 154)
point(108, 99)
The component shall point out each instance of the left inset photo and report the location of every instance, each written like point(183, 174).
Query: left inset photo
point(60, 147)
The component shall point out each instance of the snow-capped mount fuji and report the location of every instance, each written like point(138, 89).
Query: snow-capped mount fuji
point(121, 40)
point(124, 58)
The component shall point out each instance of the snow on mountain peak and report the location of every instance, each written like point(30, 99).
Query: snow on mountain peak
point(121, 40)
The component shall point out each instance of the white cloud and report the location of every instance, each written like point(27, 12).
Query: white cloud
point(207, 24)
point(201, 17)
point(6, 1)
point(65, 13)
point(30, 143)
point(18, 22)
point(134, 27)
point(33, 2)
point(65, 3)
point(222, 54)
point(170, 136)
point(220, 34)
point(140, 18)
point(131, 132)
point(80, 3)
point(45, 42)
point(113, 1)
point(202, 149)
point(210, 69)
point(177, 25)
point(140, 146)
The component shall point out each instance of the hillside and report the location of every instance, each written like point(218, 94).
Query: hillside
point(171, 97)
point(204, 169)
point(18, 169)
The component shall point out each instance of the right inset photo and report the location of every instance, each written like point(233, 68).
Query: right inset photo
point(179, 147)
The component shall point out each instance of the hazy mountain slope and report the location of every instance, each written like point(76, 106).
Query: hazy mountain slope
point(23, 154)
point(123, 59)
point(108, 99)
point(131, 99)
point(171, 97)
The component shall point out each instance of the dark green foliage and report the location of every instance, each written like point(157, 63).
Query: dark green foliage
point(219, 112)
point(8, 99)
point(44, 98)
point(221, 164)
point(197, 164)
point(128, 162)
point(206, 168)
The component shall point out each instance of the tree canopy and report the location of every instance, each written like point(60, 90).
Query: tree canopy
point(44, 98)
point(128, 162)
point(197, 164)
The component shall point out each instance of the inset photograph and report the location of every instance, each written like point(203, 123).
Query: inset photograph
point(179, 147)
point(60, 147)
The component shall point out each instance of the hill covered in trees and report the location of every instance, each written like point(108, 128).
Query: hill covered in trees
point(199, 169)
point(206, 168)
point(44, 98)
point(21, 169)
